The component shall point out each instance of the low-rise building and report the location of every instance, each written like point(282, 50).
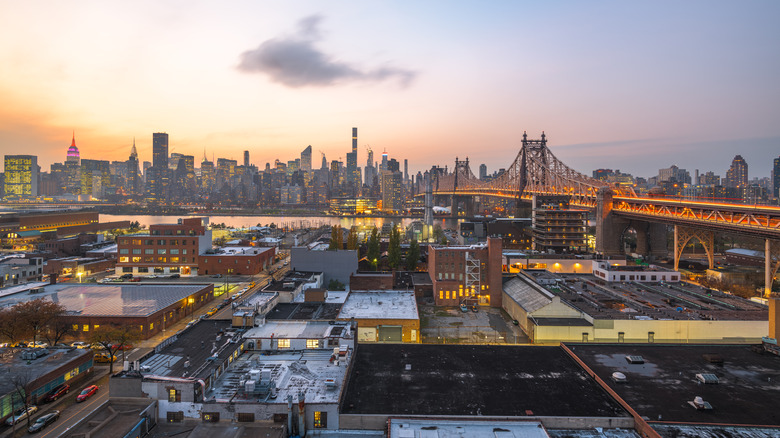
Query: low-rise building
point(609, 272)
point(147, 307)
point(334, 264)
point(166, 249)
point(466, 274)
point(292, 285)
point(383, 316)
point(37, 375)
point(236, 260)
point(15, 270)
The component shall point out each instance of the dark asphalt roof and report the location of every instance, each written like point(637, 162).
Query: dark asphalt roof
point(747, 393)
point(305, 311)
point(472, 380)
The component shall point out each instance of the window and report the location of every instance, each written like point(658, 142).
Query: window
point(175, 417)
point(124, 259)
point(149, 259)
point(96, 326)
point(447, 294)
point(85, 328)
point(174, 260)
point(136, 241)
point(441, 294)
point(151, 326)
point(124, 251)
point(284, 343)
point(137, 251)
point(621, 337)
point(136, 259)
point(148, 251)
point(174, 242)
point(651, 337)
point(312, 343)
point(584, 337)
point(161, 251)
point(75, 327)
point(184, 251)
point(246, 417)
point(320, 420)
point(174, 395)
point(174, 251)
point(144, 269)
point(148, 242)
point(161, 242)
point(162, 259)
point(127, 270)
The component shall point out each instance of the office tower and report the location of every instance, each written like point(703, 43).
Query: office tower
point(21, 176)
point(383, 165)
point(73, 169)
point(133, 177)
point(776, 177)
point(393, 165)
point(207, 174)
point(160, 149)
point(406, 169)
point(674, 173)
point(306, 159)
point(246, 158)
point(95, 177)
point(737, 175)
point(482, 171)
point(352, 175)
point(391, 184)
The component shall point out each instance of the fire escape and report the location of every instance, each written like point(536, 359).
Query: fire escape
point(472, 285)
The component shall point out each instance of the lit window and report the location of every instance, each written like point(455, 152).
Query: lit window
point(151, 326)
point(320, 420)
point(75, 327)
point(96, 326)
point(85, 327)
point(441, 294)
point(312, 343)
point(174, 395)
point(447, 294)
point(136, 259)
point(284, 343)
point(124, 259)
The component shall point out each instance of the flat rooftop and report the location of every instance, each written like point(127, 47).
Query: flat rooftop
point(120, 300)
point(218, 430)
point(239, 250)
point(659, 301)
point(747, 391)
point(12, 364)
point(197, 344)
point(293, 330)
point(305, 311)
point(292, 372)
point(123, 415)
point(472, 380)
point(380, 305)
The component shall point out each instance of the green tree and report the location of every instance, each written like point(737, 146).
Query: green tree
point(352, 238)
point(336, 238)
point(394, 249)
point(334, 284)
point(373, 248)
point(438, 234)
point(413, 255)
point(114, 339)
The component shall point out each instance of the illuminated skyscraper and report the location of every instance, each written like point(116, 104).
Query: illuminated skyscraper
point(776, 177)
point(306, 159)
point(160, 150)
point(737, 175)
point(21, 176)
point(73, 169)
point(246, 158)
point(73, 151)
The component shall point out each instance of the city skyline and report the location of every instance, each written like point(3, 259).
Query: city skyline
point(630, 87)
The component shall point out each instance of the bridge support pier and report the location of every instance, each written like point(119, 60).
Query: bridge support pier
point(608, 227)
point(682, 235)
point(771, 264)
point(650, 239)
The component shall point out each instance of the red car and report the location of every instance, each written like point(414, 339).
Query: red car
point(57, 392)
point(88, 392)
point(122, 347)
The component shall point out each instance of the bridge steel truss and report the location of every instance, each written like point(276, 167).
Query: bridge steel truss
point(536, 171)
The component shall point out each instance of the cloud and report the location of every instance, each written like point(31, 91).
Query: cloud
point(296, 62)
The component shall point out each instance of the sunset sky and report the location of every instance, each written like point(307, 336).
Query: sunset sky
point(634, 86)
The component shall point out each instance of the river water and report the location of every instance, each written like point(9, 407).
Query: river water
point(289, 222)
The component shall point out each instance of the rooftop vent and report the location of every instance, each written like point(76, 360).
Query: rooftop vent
point(618, 377)
point(635, 359)
point(707, 378)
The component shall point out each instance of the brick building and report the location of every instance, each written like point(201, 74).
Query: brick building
point(466, 274)
point(236, 260)
point(167, 249)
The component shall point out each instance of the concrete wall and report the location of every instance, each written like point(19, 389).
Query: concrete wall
point(410, 328)
point(379, 422)
point(339, 264)
point(374, 281)
point(681, 331)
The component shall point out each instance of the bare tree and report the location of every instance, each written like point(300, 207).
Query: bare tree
point(35, 315)
point(21, 382)
point(11, 329)
point(114, 339)
point(57, 329)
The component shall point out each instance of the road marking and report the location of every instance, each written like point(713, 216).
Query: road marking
point(84, 406)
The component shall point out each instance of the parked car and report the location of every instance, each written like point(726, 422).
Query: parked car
point(38, 344)
point(474, 308)
point(21, 415)
point(88, 392)
point(216, 276)
point(43, 421)
point(212, 311)
point(104, 357)
point(57, 392)
point(464, 308)
point(175, 276)
point(80, 344)
point(135, 279)
point(126, 276)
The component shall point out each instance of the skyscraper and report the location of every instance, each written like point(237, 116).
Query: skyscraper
point(353, 176)
point(133, 176)
point(482, 171)
point(73, 169)
point(776, 177)
point(160, 150)
point(73, 151)
point(21, 176)
point(306, 159)
point(737, 175)
point(246, 158)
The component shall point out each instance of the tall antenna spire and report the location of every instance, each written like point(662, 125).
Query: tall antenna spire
point(73, 142)
point(133, 151)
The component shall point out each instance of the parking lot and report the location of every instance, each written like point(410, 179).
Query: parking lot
point(450, 325)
